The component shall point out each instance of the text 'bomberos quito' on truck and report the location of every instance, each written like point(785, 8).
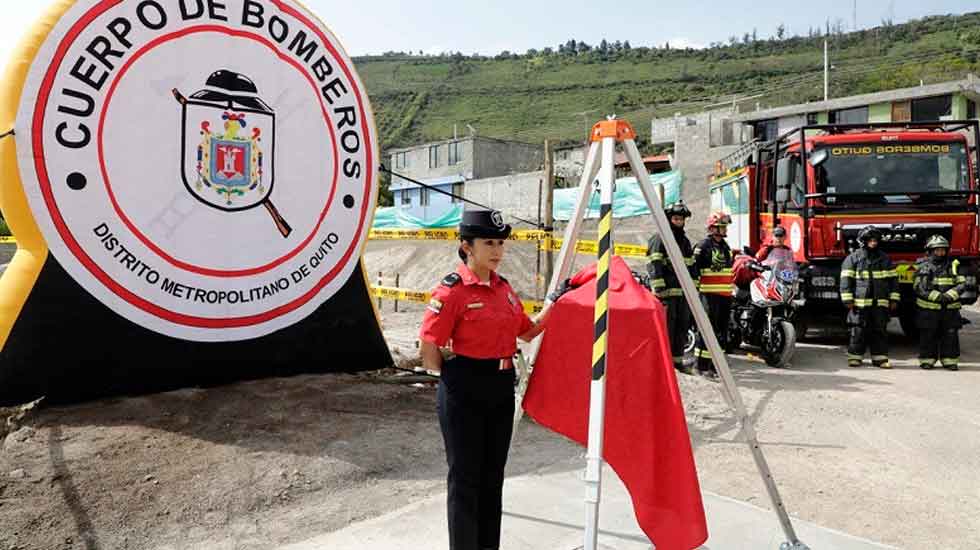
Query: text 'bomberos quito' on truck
point(824, 183)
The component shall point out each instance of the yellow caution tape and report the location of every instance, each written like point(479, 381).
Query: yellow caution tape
point(8, 240)
point(422, 297)
point(547, 242)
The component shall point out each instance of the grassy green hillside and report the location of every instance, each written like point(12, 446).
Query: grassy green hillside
point(559, 92)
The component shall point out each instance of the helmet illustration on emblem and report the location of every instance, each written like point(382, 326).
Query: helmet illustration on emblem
point(226, 166)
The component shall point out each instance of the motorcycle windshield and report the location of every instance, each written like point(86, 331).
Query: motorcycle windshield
point(782, 265)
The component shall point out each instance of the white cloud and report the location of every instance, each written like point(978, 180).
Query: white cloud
point(681, 43)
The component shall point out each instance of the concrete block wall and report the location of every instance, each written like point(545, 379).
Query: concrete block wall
point(493, 158)
point(513, 195)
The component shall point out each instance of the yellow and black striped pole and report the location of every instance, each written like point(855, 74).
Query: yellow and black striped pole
point(608, 134)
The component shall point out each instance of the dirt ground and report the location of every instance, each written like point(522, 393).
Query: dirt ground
point(893, 456)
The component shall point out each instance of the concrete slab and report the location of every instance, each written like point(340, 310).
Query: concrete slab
point(545, 512)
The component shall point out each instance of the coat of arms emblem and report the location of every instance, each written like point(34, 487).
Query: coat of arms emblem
point(230, 164)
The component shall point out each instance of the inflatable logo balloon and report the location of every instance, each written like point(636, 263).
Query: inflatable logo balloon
point(191, 183)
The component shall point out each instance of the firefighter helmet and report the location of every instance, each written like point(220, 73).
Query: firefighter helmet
point(869, 233)
point(718, 219)
point(936, 241)
point(677, 209)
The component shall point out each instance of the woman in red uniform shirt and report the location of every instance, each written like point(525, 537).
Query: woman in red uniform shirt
point(479, 313)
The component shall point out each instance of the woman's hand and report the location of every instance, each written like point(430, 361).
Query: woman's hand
point(431, 356)
point(538, 326)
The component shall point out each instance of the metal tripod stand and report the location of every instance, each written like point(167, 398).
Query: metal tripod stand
point(600, 162)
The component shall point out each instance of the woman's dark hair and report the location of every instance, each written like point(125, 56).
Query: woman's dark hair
point(462, 254)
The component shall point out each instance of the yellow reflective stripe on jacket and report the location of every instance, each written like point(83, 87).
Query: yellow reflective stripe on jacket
point(717, 289)
point(656, 256)
point(670, 293)
point(847, 296)
point(871, 302)
point(944, 280)
point(658, 283)
point(895, 297)
point(720, 273)
point(689, 261)
point(885, 274)
point(953, 294)
point(924, 304)
point(934, 296)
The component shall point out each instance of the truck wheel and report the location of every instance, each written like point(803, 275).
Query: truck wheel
point(907, 320)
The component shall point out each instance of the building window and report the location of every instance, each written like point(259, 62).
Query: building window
point(562, 155)
point(454, 156)
point(928, 109)
point(406, 197)
point(766, 130)
point(434, 156)
point(857, 115)
point(423, 197)
point(401, 160)
point(971, 109)
point(812, 119)
point(457, 192)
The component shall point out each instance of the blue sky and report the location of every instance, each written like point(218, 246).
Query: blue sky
point(488, 27)
point(433, 26)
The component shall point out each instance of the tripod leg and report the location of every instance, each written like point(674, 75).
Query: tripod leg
point(729, 389)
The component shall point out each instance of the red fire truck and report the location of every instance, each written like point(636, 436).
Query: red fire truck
point(824, 183)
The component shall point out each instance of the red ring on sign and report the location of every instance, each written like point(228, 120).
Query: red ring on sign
point(186, 266)
point(44, 94)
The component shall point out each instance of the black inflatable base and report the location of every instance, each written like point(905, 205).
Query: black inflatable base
point(68, 347)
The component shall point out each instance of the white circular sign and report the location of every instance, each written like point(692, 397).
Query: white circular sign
point(796, 236)
point(206, 169)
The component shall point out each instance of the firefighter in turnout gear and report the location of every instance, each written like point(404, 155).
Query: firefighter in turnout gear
point(869, 289)
point(713, 259)
point(938, 286)
point(665, 284)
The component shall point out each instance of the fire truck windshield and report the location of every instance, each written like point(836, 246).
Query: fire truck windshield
point(894, 173)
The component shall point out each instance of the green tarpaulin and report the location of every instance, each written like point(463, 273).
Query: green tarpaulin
point(393, 217)
point(627, 201)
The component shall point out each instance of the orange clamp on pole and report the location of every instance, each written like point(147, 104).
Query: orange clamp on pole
point(620, 130)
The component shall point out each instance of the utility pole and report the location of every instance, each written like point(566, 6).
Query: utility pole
point(826, 72)
point(549, 203)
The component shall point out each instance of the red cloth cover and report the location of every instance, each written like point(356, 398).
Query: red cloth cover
point(646, 438)
point(741, 273)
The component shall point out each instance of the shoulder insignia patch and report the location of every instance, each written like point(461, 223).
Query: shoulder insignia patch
point(451, 280)
point(435, 306)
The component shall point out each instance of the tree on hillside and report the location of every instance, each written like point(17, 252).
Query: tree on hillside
point(603, 46)
point(781, 31)
point(746, 38)
point(584, 48)
point(626, 46)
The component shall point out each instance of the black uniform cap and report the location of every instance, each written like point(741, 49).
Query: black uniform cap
point(231, 88)
point(483, 224)
point(779, 232)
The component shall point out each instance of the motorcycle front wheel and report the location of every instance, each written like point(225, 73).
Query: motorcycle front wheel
point(778, 349)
